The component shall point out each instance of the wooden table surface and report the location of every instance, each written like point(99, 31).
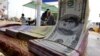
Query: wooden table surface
point(12, 46)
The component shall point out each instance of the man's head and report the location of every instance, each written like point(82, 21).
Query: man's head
point(22, 14)
point(29, 18)
point(47, 9)
point(49, 13)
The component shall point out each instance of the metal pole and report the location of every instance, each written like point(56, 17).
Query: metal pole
point(8, 9)
point(38, 19)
